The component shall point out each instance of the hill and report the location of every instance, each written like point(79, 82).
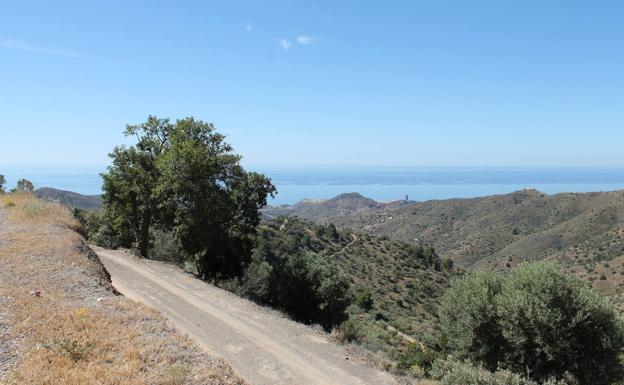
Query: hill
point(403, 281)
point(324, 210)
point(69, 198)
point(61, 321)
point(583, 230)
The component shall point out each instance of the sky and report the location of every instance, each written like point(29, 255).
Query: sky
point(319, 83)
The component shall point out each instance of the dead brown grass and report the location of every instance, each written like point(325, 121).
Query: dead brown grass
point(70, 326)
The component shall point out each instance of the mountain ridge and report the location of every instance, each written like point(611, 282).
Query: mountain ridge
point(69, 198)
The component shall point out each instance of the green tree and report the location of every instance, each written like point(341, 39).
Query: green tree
point(129, 186)
point(24, 185)
point(332, 232)
point(538, 320)
point(2, 184)
point(186, 179)
point(209, 201)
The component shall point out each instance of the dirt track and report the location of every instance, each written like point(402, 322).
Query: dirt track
point(262, 346)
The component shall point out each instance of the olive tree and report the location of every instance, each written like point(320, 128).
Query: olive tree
point(537, 320)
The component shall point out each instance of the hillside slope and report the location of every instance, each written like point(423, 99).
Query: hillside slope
point(404, 281)
point(584, 230)
point(62, 323)
point(69, 198)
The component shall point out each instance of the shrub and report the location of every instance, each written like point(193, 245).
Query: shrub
point(418, 358)
point(538, 319)
point(363, 331)
point(103, 230)
point(451, 372)
point(256, 281)
point(24, 185)
point(307, 286)
point(468, 319)
point(76, 348)
point(311, 289)
point(364, 300)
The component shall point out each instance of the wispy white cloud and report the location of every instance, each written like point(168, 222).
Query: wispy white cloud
point(306, 40)
point(6, 42)
point(248, 27)
point(284, 43)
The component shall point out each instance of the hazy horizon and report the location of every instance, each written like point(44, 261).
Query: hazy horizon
point(381, 183)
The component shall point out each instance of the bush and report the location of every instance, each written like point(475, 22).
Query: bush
point(418, 358)
point(363, 331)
point(102, 230)
point(364, 300)
point(311, 289)
point(538, 319)
point(307, 286)
point(451, 372)
point(24, 185)
point(256, 281)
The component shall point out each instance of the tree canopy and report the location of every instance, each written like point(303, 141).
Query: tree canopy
point(537, 320)
point(24, 185)
point(2, 184)
point(183, 177)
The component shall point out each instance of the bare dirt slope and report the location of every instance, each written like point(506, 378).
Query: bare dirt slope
point(261, 345)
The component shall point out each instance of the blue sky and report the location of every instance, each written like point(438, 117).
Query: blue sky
point(319, 83)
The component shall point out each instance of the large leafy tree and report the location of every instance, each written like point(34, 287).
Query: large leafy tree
point(211, 203)
point(185, 178)
point(130, 184)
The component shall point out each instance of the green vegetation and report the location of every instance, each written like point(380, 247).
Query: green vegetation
point(2, 184)
point(395, 286)
point(538, 320)
point(180, 194)
point(453, 372)
point(582, 231)
point(307, 286)
point(24, 185)
point(184, 178)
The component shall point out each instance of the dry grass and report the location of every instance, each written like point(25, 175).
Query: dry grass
point(69, 326)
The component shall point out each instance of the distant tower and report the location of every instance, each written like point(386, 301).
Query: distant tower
point(406, 198)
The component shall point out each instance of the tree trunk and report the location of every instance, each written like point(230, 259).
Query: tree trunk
point(144, 234)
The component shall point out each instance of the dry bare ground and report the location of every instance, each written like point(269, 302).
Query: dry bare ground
point(62, 323)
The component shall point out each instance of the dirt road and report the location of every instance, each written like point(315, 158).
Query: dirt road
point(262, 346)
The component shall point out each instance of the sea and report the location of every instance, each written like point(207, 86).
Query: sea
point(378, 183)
